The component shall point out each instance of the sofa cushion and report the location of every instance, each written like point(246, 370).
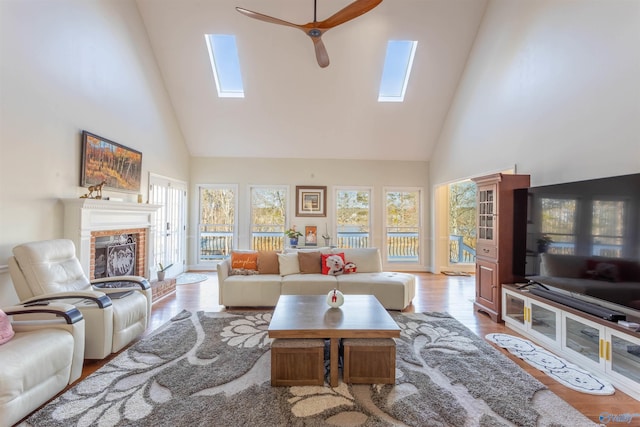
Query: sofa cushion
point(288, 264)
point(261, 290)
point(394, 290)
point(268, 262)
point(366, 259)
point(310, 262)
point(6, 330)
point(246, 260)
point(308, 284)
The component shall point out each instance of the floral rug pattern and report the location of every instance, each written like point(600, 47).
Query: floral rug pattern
point(214, 369)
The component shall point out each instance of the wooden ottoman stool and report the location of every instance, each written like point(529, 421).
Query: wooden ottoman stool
point(297, 362)
point(369, 361)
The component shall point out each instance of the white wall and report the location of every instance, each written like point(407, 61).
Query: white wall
point(69, 65)
point(551, 86)
point(330, 173)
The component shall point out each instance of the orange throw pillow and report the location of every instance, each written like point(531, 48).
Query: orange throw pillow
point(246, 260)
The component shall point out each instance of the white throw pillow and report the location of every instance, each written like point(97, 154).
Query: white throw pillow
point(288, 264)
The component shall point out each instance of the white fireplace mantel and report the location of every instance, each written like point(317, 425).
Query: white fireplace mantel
point(82, 216)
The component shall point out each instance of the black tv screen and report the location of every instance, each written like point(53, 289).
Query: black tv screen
point(597, 217)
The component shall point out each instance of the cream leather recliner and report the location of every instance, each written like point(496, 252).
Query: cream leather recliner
point(49, 270)
point(43, 357)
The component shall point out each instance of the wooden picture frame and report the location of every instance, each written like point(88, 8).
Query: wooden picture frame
point(119, 167)
point(311, 201)
point(311, 235)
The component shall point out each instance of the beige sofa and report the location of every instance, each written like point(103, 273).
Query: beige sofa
point(395, 291)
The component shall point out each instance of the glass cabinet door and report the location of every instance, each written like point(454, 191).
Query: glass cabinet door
point(545, 321)
point(623, 356)
point(514, 309)
point(486, 212)
point(584, 338)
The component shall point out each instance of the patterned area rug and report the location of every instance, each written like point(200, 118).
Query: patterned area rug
point(187, 278)
point(214, 369)
point(556, 367)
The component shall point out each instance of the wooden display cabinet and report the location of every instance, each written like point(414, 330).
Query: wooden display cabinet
point(496, 221)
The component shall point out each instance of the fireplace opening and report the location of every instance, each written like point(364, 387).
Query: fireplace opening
point(115, 255)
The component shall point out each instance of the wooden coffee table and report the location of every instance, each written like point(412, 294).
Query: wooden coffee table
point(309, 316)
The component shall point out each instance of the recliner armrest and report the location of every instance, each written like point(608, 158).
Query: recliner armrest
point(70, 314)
point(99, 298)
point(121, 282)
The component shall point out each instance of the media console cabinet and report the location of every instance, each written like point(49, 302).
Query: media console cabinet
point(602, 347)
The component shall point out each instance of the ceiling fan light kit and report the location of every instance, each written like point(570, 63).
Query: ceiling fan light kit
point(316, 28)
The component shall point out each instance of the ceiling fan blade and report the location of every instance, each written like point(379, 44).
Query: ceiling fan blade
point(266, 18)
point(355, 9)
point(321, 52)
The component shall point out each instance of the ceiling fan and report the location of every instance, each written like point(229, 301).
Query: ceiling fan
point(315, 29)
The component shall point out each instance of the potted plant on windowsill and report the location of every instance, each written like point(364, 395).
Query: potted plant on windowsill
point(293, 235)
point(543, 243)
point(162, 270)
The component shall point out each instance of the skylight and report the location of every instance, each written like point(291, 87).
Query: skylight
point(225, 64)
point(397, 68)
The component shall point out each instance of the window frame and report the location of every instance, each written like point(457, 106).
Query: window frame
point(421, 246)
point(334, 228)
point(287, 208)
point(235, 237)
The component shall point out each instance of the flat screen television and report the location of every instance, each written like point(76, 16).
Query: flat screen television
point(597, 219)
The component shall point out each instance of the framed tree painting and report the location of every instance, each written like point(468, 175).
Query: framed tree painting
point(119, 167)
point(311, 201)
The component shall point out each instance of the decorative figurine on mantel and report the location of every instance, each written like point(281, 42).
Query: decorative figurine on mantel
point(97, 188)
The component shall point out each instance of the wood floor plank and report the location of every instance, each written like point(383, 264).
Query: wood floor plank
point(439, 293)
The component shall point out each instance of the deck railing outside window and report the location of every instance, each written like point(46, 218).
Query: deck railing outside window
point(267, 241)
point(216, 241)
point(460, 252)
point(403, 244)
point(353, 239)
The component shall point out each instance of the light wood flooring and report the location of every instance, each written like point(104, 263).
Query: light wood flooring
point(451, 294)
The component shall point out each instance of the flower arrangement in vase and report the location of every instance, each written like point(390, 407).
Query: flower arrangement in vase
point(293, 235)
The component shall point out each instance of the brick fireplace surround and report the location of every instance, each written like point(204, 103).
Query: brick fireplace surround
point(86, 219)
point(140, 236)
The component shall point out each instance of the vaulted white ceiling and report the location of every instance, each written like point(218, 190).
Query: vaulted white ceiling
point(293, 108)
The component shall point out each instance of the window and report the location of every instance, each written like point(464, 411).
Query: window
point(217, 228)
point(403, 226)
point(225, 64)
point(353, 217)
point(397, 68)
point(607, 227)
point(268, 217)
point(558, 223)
